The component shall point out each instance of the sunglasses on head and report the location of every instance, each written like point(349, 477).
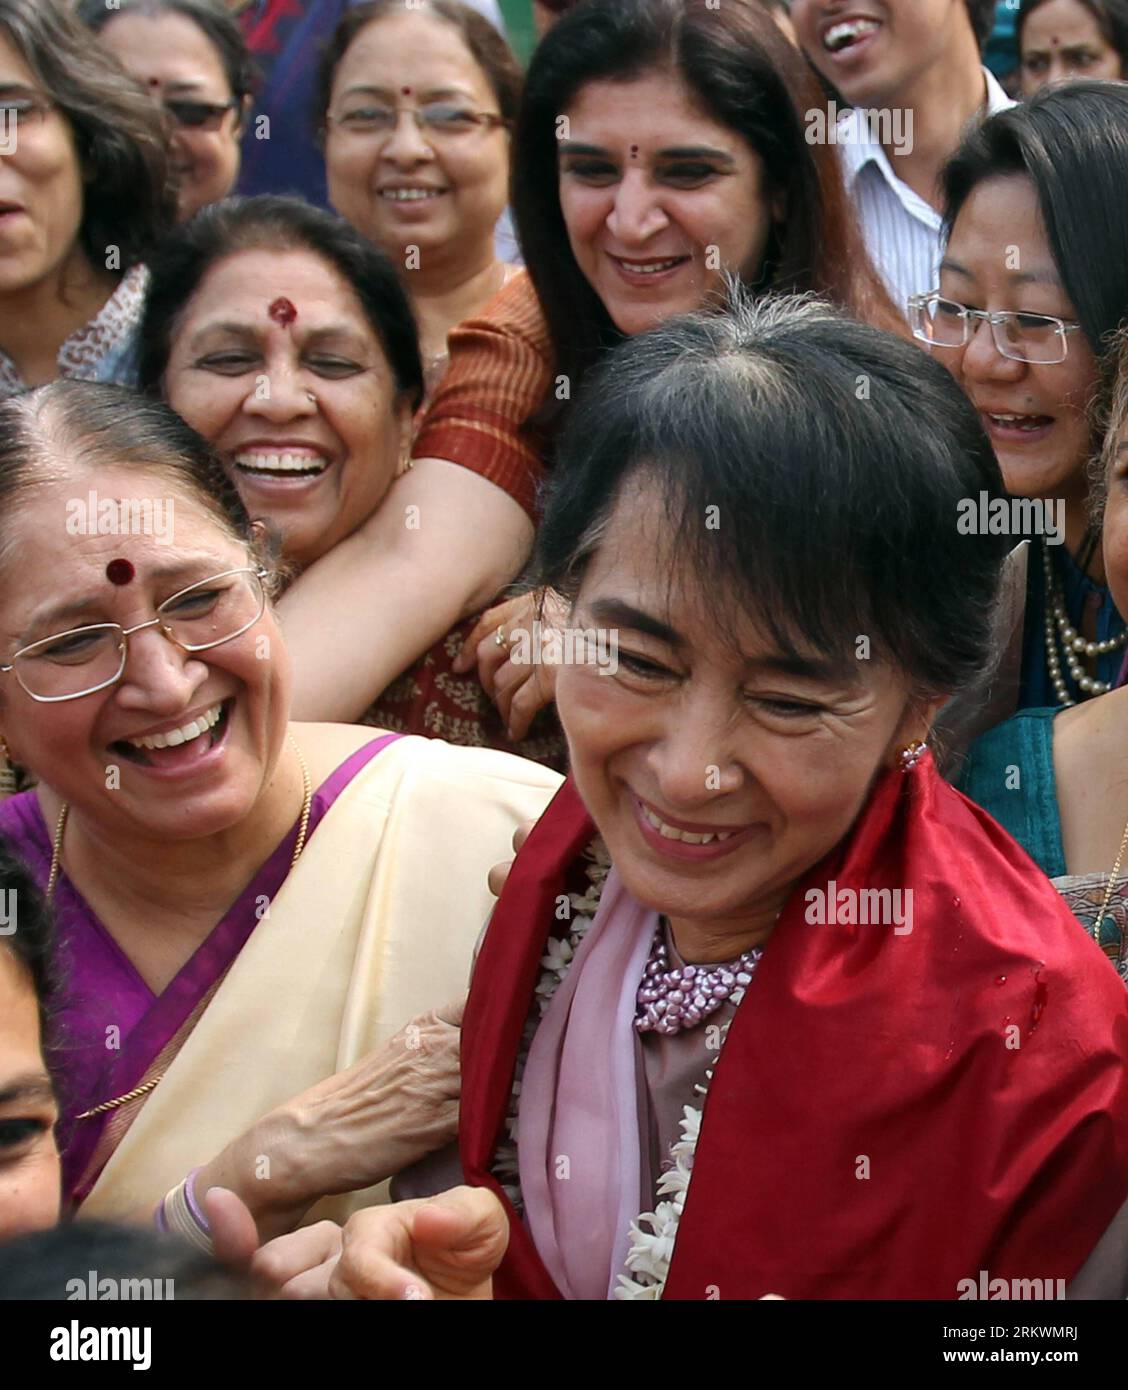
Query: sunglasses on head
point(199, 115)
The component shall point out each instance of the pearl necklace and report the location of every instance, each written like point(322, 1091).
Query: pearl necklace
point(671, 1000)
point(1073, 644)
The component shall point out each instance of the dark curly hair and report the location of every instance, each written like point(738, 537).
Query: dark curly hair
point(119, 132)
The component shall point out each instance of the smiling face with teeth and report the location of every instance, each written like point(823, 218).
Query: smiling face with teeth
point(876, 50)
point(195, 736)
point(315, 468)
point(793, 749)
point(442, 195)
point(659, 199)
point(1036, 415)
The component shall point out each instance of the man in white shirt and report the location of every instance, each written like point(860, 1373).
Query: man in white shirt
point(913, 68)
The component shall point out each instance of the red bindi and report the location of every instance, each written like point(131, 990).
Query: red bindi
point(120, 571)
point(283, 312)
point(634, 151)
point(406, 91)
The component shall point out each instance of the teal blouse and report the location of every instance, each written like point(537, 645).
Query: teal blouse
point(1010, 773)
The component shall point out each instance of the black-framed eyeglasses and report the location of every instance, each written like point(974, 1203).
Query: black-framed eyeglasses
point(198, 115)
point(1040, 339)
point(80, 661)
point(441, 118)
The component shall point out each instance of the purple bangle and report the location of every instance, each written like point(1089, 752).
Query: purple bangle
point(193, 1206)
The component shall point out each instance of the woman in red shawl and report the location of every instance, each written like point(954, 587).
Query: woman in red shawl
point(766, 1006)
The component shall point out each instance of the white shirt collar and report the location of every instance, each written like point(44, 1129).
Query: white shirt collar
point(864, 147)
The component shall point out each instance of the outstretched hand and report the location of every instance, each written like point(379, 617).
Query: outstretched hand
point(444, 1247)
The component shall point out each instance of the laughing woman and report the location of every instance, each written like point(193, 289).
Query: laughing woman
point(1037, 211)
point(247, 910)
point(1054, 777)
point(762, 861)
point(416, 107)
point(272, 290)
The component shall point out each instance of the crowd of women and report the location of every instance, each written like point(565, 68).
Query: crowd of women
point(745, 542)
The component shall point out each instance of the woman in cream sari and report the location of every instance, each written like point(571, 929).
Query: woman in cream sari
point(247, 910)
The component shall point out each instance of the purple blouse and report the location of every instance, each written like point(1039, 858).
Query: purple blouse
point(110, 1025)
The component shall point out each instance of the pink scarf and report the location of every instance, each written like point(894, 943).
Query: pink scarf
point(580, 1147)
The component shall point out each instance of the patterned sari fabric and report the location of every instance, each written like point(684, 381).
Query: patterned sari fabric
point(105, 349)
point(430, 699)
point(499, 375)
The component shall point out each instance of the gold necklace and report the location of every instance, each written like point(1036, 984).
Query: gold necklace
point(60, 826)
point(1096, 928)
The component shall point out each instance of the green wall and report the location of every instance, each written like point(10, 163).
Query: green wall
point(519, 22)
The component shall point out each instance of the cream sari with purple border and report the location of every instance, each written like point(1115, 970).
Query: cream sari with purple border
point(375, 924)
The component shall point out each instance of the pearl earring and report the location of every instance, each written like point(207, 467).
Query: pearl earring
point(912, 754)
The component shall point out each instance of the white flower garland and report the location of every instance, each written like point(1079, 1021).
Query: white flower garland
point(654, 1232)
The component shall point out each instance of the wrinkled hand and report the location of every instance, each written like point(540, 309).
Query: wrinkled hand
point(355, 1128)
point(519, 688)
point(500, 872)
point(443, 1247)
point(388, 1110)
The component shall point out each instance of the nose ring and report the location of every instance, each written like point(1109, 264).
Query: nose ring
point(311, 397)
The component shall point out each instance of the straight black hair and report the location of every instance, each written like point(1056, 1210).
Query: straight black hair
point(812, 471)
point(742, 71)
point(1071, 141)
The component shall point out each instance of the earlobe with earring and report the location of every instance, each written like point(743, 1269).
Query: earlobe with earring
point(911, 754)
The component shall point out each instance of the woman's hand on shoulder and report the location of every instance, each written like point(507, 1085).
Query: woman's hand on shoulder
point(507, 643)
point(354, 1129)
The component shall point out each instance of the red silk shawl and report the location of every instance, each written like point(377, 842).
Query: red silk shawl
point(868, 1132)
